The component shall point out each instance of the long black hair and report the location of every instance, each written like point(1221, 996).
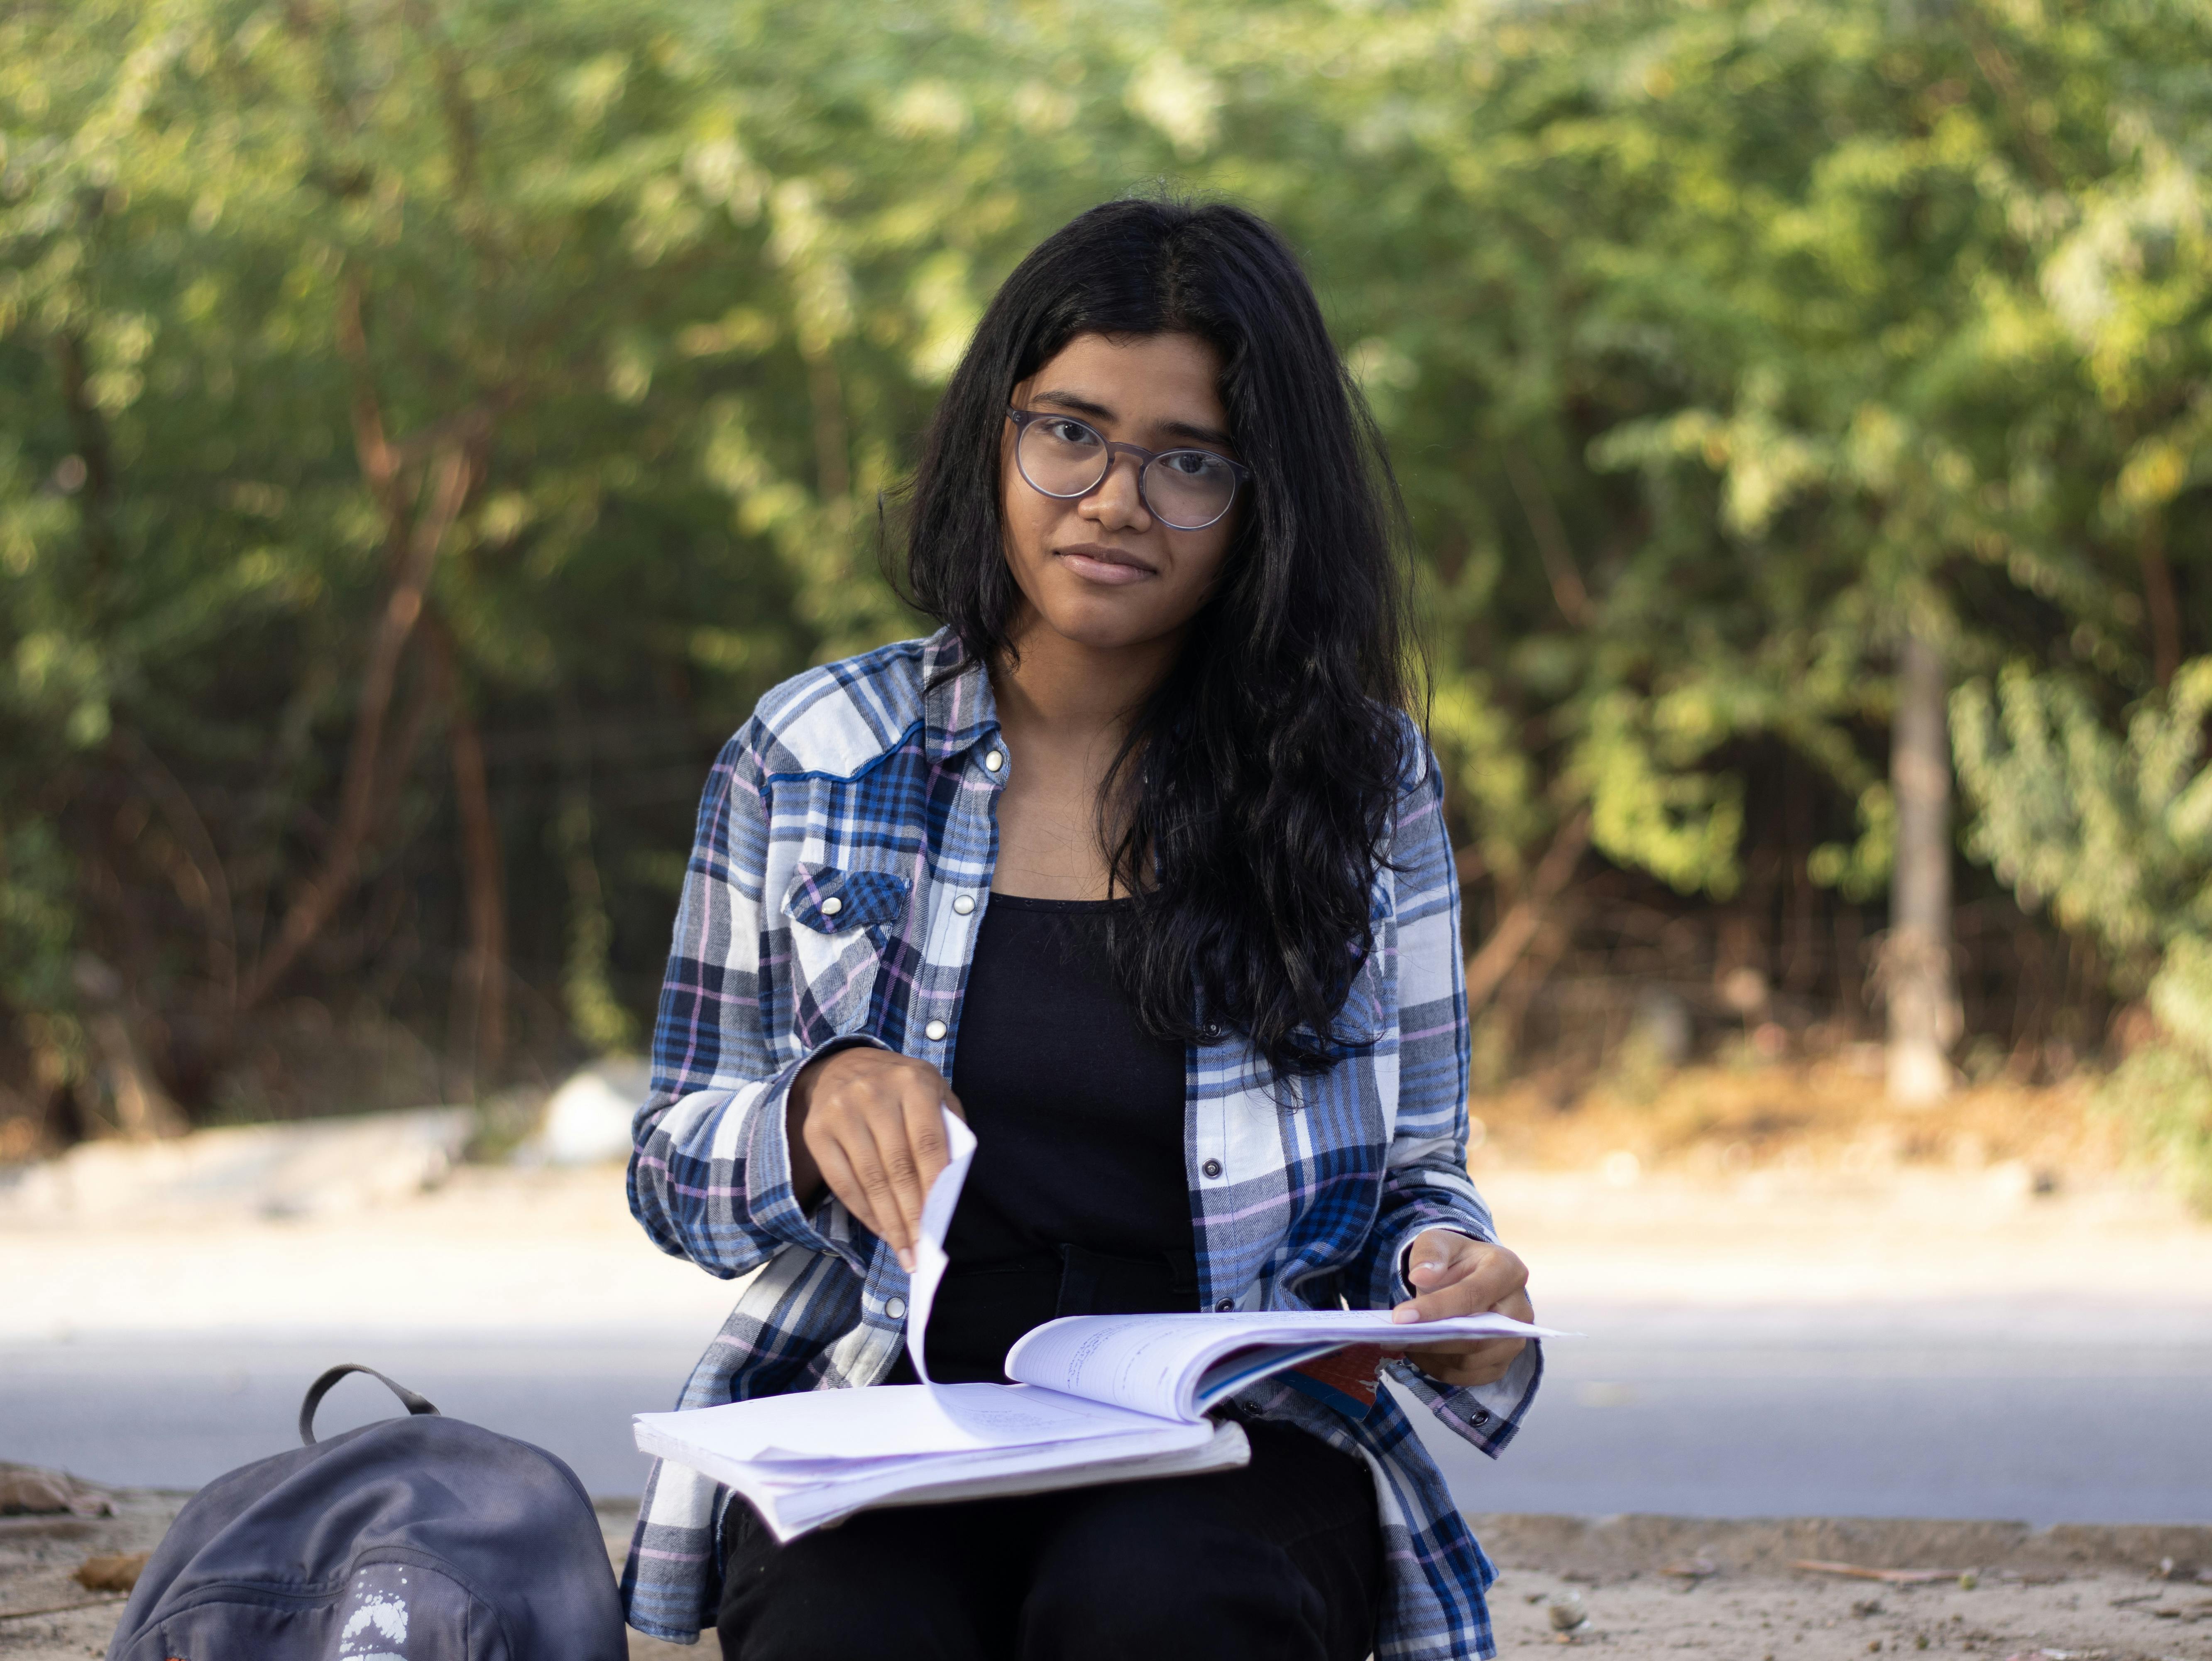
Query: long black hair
point(1255, 790)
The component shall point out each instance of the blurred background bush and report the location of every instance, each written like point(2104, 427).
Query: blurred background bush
point(425, 426)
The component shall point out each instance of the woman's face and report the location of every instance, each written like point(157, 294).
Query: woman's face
point(1101, 571)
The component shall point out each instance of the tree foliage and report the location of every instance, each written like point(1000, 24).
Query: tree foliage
point(423, 430)
point(2113, 831)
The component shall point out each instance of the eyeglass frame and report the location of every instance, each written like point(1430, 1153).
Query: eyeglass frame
point(1021, 418)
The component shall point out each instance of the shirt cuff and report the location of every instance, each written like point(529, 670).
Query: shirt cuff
point(770, 1200)
point(1488, 1415)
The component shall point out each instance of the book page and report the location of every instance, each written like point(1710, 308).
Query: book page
point(793, 1500)
point(929, 1259)
point(1154, 1363)
point(1032, 1471)
point(840, 1428)
point(1135, 1361)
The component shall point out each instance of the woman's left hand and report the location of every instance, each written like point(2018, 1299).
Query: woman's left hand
point(1452, 1274)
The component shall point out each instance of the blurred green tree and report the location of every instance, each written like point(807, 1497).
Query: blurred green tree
point(2114, 833)
point(424, 430)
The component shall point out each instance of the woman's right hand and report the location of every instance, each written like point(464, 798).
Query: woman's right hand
point(869, 1124)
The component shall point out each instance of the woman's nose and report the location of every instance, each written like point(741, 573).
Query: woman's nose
point(1119, 500)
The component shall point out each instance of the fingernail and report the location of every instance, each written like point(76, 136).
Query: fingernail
point(1404, 1313)
point(906, 1258)
point(1418, 1268)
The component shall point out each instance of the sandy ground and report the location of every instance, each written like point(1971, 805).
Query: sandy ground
point(1644, 1586)
point(2115, 1617)
point(1654, 1585)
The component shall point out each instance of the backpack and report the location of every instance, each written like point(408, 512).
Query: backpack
point(413, 1539)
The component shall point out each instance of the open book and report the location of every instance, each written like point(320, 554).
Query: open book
point(1098, 1398)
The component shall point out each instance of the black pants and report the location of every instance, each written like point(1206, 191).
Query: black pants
point(1280, 1560)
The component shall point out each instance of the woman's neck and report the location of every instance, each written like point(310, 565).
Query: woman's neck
point(1068, 695)
point(1065, 709)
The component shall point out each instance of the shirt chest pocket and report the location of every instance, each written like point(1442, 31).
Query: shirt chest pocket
point(841, 923)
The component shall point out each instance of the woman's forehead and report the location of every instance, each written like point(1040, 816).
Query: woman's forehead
point(1169, 383)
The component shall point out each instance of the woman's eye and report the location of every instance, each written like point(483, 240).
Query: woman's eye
point(1070, 432)
point(1192, 463)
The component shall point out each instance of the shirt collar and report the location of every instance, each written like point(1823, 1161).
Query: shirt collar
point(958, 710)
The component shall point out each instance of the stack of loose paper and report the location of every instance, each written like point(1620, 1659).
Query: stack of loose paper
point(1100, 1398)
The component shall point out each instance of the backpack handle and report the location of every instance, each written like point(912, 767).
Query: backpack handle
point(321, 1387)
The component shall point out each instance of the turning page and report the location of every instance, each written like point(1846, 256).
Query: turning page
point(930, 1261)
point(1176, 1366)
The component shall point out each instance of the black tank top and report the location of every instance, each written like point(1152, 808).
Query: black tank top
point(1077, 1202)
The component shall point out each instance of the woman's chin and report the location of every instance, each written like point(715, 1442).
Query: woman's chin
point(1106, 622)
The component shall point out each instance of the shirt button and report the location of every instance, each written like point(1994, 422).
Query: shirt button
point(964, 905)
point(895, 1308)
point(1211, 1167)
point(832, 906)
point(1481, 1418)
point(1225, 1306)
point(993, 761)
point(934, 1031)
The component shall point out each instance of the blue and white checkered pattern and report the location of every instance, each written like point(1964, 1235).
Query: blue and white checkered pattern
point(838, 828)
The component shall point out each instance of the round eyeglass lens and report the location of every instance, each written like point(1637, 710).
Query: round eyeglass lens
point(1189, 489)
point(1062, 457)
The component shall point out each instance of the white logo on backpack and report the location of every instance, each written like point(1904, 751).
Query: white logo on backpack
point(378, 1616)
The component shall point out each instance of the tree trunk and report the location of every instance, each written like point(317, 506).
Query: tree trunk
point(1916, 959)
point(419, 542)
point(485, 971)
point(134, 1102)
point(1487, 968)
point(594, 1012)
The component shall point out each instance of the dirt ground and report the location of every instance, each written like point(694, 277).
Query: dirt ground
point(1731, 1589)
point(1644, 1585)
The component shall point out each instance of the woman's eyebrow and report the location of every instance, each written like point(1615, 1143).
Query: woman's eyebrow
point(1071, 401)
point(1097, 411)
point(1204, 434)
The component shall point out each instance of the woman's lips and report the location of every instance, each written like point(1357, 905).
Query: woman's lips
point(1109, 566)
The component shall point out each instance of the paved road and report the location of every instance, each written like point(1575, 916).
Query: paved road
point(174, 1412)
point(1988, 1410)
point(1976, 1411)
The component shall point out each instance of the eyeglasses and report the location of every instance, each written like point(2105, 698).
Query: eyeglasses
point(1066, 459)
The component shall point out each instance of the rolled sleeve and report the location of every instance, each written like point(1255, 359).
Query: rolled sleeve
point(1488, 1415)
point(770, 1200)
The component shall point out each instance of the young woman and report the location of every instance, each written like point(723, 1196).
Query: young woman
point(1138, 863)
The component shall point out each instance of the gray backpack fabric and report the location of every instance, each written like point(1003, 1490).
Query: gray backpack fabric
point(413, 1539)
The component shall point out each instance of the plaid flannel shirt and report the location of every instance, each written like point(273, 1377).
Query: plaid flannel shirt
point(837, 830)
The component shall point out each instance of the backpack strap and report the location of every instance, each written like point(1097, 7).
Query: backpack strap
point(321, 1388)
